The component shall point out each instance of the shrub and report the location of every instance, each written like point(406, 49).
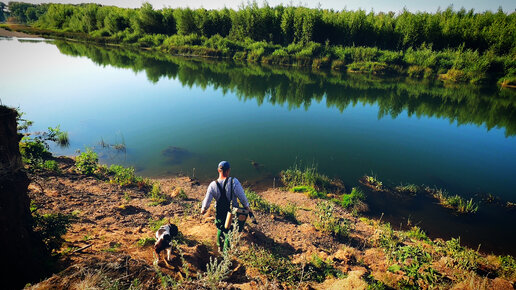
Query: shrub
point(87, 162)
point(33, 151)
point(51, 227)
point(123, 176)
point(51, 165)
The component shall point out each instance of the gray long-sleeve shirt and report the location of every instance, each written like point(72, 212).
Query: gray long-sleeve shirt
point(213, 192)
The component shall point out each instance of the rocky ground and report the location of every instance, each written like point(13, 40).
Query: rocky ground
point(111, 220)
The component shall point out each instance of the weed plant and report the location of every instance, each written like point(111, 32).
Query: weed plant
point(156, 224)
point(415, 262)
point(273, 266)
point(309, 178)
point(258, 203)
point(417, 233)
point(217, 271)
point(327, 222)
point(51, 165)
point(507, 267)
point(411, 189)
point(310, 191)
point(115, 247)
point(456, 202)
point(461, 257)
point(352, 199)
point(374, 182)
point(34, 147)
point(144, 242)
point(156, 195)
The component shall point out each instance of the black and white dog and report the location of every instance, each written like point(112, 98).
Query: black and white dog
point(164, 241)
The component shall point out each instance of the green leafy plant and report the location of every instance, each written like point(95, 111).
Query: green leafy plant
point(352, 199)
point(51, 227)
point(123, 176)
point(87, 162)
point(51, 165)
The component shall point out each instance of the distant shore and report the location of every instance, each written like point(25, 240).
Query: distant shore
point(9, 33)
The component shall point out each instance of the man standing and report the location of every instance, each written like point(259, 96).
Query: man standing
point(226, 190)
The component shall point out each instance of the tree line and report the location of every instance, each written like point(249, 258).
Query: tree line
point(275, 34)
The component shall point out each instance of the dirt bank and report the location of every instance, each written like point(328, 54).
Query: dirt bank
point(276, 253)
point(10, 33)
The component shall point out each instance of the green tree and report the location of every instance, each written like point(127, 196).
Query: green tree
point(185, 21)
point(2, 13)
point(150, 21)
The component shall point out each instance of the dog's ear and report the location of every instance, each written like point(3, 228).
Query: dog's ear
point(173, 230)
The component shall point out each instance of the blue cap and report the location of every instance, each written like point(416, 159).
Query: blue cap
point(224, 165)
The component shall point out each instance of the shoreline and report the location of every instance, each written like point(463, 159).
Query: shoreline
point(17, 34)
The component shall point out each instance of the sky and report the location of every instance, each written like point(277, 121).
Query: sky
point(375, 5)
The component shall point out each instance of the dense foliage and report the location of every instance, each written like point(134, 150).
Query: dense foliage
point(460, 45)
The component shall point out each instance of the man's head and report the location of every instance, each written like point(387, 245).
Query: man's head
point(223, 168)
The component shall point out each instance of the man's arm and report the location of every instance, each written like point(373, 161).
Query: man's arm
point(240, 194)
point(207, 199)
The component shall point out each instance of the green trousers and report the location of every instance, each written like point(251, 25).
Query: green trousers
point(222, 236)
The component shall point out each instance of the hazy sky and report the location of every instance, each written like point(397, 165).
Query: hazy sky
point(376, 5)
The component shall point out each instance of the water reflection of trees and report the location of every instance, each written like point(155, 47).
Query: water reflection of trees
point(299, 88)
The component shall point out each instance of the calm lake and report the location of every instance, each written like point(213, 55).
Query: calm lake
point(182, 115)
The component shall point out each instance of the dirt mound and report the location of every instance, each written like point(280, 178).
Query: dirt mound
point(102, 272)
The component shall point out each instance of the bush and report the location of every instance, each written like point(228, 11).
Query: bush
point(51, 165)
point(33, 151)
point(87, 162)
point(51, 227)
point(123, 176)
